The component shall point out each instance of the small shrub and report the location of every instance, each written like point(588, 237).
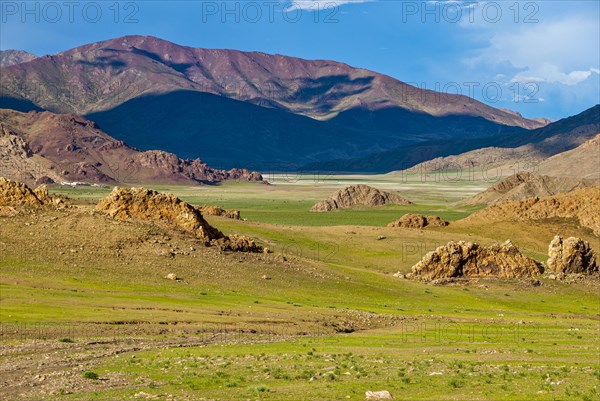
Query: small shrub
point(90, 375)
point(66, 340)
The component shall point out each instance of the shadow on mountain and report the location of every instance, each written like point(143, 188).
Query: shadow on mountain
point(319, 90)
point(103, 62)
point(404, 157)
point(229, 133)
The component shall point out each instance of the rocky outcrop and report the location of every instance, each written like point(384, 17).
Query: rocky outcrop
point(238, 243)
point(582, 204)
point(571, 256)
point(159, 208)
point(13, 193)
point(471, 260)
point(359, 196)
point(171, 212)
point(414, 220)
point(207, 210)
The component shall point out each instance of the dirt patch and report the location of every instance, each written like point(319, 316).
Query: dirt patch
point(415, 220)
point(469, 259)
point(359, 195)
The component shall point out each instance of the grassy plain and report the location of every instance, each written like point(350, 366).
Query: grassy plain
point(323, 306)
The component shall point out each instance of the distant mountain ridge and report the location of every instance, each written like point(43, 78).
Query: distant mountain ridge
point(502, 150)
point(271, 108)
point(14, 57)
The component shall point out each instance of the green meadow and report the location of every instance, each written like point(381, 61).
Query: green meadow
point(320, 318)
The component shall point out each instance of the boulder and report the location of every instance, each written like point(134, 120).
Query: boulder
point(378, 395)
point(159, 208)
point(571, 256)
point(359, 195)
point(471, 260)
point(414, 220)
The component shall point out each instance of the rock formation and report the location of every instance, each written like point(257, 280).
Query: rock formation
point(171, 212)
point(414, 220)
point(162, 209)
point(471, 260)
point(207, 210)
point(359, 195)
point(13, 193)
point(571, 256)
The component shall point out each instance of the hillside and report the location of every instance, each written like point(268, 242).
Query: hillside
point(526, 185)
point(581, 204)
point(49, 147)
point(255, 99)
point(583, 161)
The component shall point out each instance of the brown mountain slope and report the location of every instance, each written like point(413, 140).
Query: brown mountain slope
point(581, 204)
point(526, 185)
point(583, 161)
point(36, 145)
point(102, 75)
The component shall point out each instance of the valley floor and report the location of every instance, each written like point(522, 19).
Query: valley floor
point(87, 314)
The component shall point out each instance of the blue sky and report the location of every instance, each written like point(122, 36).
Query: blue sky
point(540, 58)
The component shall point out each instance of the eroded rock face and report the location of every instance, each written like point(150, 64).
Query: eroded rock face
point(163, 209)
point(207, 210)
point(414, 220)
point(471, 260)
point(13, 193)
point(359, 195)
point(571, 256)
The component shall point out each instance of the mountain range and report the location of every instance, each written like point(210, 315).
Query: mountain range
point(252, 109)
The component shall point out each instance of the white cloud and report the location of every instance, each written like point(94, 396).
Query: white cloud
point(559, 51)
point(550, 73)
point(316, 5)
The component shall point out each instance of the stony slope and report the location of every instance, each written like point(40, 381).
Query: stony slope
point(581, 204)
point(582, 162)
point(70, 148)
